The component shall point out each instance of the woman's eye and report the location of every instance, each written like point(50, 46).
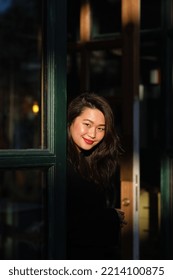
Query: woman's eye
point(101, 128)
point(87, 124)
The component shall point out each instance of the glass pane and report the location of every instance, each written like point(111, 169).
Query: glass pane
point(73, 20)
point(106, 17)
point(151, 131)
point(73, 74)
point(20, 74)
point(22, 214)
point(105, 71)
point(151, 14)
point(105, 78)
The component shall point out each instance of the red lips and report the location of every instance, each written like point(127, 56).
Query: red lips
point(89, 142)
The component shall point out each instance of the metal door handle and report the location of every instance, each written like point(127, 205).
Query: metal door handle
point(126, 202)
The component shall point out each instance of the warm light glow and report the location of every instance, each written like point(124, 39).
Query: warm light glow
point(131, 13)
point(35, 108)
point(85, 21)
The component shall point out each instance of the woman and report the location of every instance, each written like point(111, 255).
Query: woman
point(93, 147)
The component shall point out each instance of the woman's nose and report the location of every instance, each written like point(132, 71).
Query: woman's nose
point(92, 132)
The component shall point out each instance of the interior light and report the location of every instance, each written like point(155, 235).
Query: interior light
point(35, 108)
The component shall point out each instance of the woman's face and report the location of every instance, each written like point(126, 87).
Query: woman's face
point(88, 129)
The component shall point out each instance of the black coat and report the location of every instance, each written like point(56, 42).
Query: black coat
point(92, 227)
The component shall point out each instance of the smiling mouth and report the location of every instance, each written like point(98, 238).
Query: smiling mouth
point(87, 141)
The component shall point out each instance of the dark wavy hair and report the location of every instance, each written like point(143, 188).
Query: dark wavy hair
point(98, 164)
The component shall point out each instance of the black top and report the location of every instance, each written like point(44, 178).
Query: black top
point(93, 227)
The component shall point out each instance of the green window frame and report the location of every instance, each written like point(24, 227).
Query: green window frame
point(53, 158)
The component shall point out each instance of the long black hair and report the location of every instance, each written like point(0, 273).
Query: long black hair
point(99, 163)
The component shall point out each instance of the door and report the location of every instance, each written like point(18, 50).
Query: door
point(104, 57)
point(33, 134)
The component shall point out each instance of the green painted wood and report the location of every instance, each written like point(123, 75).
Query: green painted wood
point(166, 208)
point(54, 157)
point(56, 59)
point(167, 145)
point(26, 158)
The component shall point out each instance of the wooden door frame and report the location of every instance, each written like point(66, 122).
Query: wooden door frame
point(128, 40)
point(130, 92)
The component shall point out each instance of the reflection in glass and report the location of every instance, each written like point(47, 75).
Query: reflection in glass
point(73, 20)
point(151, 132)
point(22, 214)
point(20, 74)
point(106, 17)
point(73, 74)
point(105, 72)
point(105, 79)
point(151, 9)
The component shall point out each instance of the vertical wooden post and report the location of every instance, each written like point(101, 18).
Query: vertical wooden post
point(85, 21)
point(130, 88)
point(85, 35)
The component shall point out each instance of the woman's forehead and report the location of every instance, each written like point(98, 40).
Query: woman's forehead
point(94, 115)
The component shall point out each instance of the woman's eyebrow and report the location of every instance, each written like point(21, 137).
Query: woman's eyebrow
point(93, 122)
